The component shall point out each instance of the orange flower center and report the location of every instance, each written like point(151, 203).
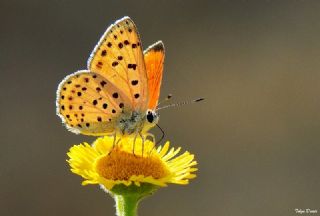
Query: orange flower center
point(121, 165)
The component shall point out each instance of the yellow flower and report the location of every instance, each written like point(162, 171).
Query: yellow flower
point(108, 166)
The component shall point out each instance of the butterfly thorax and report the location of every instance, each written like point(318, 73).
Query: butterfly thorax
point(134, 122)
point(130, 122)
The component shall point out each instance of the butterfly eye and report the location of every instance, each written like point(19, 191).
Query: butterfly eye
point(150, 117)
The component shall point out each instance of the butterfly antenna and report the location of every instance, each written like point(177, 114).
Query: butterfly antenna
point(180, 104)
point(163, 134)
point(169, 96)
point(157, 142)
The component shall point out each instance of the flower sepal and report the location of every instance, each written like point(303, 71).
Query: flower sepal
point(145, 189)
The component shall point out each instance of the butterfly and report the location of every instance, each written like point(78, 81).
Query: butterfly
point(119, 91)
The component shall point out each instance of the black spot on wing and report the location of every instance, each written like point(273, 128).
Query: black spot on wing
point(103, 83)
point(115, 95)
point(132, 66)
point(134, 82)
point(104, 52)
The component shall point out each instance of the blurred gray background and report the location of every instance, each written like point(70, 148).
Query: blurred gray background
point(256, 137)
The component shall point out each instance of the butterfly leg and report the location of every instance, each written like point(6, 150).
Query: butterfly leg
point(114, 140)
point(153, 140)
point(152, 137)
point(134, 144)
point(142, 148)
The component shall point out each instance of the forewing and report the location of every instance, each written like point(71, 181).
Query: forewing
point(154, 59)
point(119, 58)
point(89, 104)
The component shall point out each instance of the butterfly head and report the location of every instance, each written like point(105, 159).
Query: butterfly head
point(152, 118)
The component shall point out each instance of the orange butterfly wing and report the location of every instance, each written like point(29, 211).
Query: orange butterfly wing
point(89, 104)
point(118, 57)
point(120, 77)
point(154, 59)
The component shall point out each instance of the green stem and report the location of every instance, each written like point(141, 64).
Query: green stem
point(128, 197)
point(127, 205)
